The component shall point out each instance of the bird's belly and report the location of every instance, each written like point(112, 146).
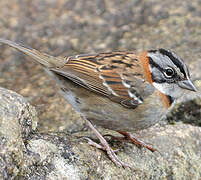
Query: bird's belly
point(103, 112)
point(113, 116)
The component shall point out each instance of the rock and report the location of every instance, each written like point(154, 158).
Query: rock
point(73, 27)
point(187, 109)
point(17, 121)
point(69, 27)
point(28, 154)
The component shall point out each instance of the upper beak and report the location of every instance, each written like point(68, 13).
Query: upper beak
point(187, 84)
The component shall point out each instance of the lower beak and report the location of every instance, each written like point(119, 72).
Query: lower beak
point(187, 84)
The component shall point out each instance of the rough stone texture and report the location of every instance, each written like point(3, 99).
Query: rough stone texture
point(28, 154)
point(17, 121)
point(68, 27)
point(187, 109)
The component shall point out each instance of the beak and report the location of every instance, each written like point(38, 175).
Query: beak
point(187, 84)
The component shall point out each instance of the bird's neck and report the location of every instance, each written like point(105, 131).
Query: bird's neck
point(145, 66)
point(167, 100)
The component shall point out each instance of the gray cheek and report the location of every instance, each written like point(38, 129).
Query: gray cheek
point(157, 76)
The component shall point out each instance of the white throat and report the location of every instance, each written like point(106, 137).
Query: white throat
point(172, 90)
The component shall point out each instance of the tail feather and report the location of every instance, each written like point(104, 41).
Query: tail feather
point(42, 58)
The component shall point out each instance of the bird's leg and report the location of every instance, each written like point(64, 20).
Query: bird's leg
point(105, 146)
point(129, 137)
point(134, 140)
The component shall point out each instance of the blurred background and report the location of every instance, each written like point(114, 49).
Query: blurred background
point(69, 27)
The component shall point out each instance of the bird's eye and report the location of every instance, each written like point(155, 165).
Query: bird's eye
point(169, 72)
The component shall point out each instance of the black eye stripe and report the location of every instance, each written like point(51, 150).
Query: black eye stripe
point(153, 64)
point(158, 78)
point(174, 60)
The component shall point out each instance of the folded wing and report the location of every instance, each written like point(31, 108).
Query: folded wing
point(115, 75)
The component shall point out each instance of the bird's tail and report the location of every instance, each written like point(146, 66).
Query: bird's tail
point(42, 58)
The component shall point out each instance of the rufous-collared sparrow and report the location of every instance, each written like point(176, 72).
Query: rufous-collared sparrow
point(121, 91)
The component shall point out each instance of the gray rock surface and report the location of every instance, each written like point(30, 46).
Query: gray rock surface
point(68, 27)
point(18, 120)
point(27, 154)
point(187, 109)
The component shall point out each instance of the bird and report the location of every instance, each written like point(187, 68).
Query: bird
point(122, 91)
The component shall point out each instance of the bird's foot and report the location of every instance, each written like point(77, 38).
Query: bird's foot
point(132, 139)
point(105, 146)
